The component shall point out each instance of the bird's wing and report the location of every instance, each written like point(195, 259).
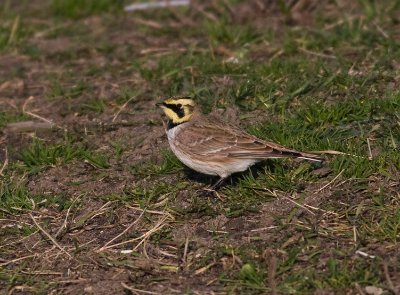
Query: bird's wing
point(206, 139)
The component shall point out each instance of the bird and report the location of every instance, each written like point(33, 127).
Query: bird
point(210, 146)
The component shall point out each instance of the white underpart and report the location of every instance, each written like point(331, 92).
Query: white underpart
point(210, 168)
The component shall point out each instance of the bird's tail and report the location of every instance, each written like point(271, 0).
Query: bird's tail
point(283, 153)
point(277, 153)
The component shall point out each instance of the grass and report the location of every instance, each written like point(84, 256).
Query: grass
point(39, 155)
point(77, 9)
point(224, 33)
point(95, 105)
point(170, 165)
point(15, 197)
point(325, 83)
point(14, 194)
point(10, 33)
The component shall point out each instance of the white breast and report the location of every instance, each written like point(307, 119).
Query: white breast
point(185, 158)
point(210, 168)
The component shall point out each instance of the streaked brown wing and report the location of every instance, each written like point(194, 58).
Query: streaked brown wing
point(213, 139)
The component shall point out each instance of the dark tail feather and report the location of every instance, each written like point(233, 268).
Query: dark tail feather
point(277, 154)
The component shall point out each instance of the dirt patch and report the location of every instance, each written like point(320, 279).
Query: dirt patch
point(125, 226)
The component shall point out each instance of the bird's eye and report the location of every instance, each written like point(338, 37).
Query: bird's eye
point(179, 105)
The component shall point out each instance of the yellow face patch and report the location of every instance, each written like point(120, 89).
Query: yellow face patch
point(182, 101)
point(173, 116)
point(178, 110)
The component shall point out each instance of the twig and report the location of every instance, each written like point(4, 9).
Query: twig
point(25, 111)
point(338, 23)
point(354, 234)
point(17, 259)
point(363, 254)
point(318, 54)
point(149, 23)
point(143, 237)
point(165, 253)
point(185, 250)
point(319, 209)
point(297, 204)
point(159, 4)
point(20, 240)
point(277, 54)
point(49, 236)
point(207, 14)
point(331, 152)
point(369, 149)
point(163, 51)
point(45, 273)
point(137, 291)
point(156, 228)
point(5, 163)
point(380, 30)
point(204, 269)
point(123, 232)
point(152, 211)
point(271, 274)
point(233, 258)
point(6, 212)
point(330, 182)
point(144, 251)
point(87, 217)
point(389, 280)
point(122, 108)
point(64, 225)
point(212, 281)
point(23, 288)
point(263, 228)
point(217, 231)
point(14, 30)
point(30, 98)
point(16, 221)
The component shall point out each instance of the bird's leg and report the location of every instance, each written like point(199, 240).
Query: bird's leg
point(212, 191)
point(218, 184)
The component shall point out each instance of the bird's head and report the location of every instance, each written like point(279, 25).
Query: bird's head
point(178, 109)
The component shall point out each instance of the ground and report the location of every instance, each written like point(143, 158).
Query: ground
point(94, 202)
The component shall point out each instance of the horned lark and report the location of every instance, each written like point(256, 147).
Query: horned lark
point(212, 147)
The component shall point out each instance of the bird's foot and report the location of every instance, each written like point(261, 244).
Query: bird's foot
point(209, 192)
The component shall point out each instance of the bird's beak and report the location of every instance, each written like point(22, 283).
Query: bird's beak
point(160, 104)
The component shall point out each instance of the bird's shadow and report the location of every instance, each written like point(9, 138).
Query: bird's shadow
point(234, 179)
